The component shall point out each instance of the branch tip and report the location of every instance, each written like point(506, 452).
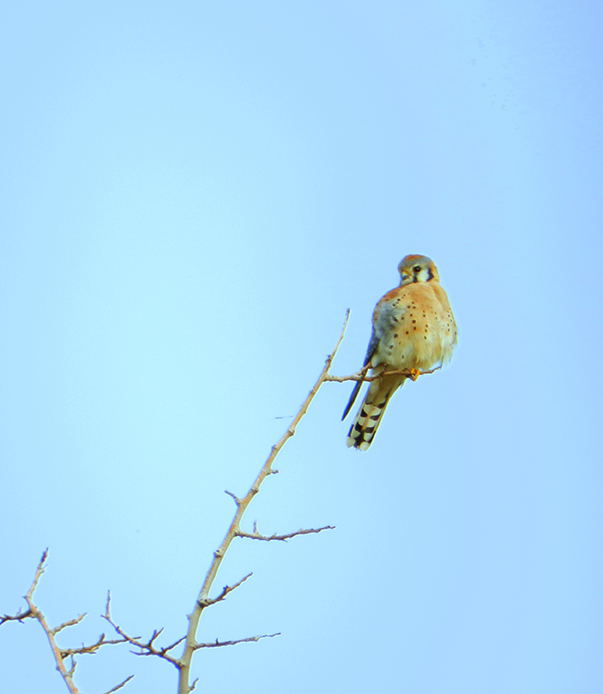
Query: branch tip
point(255, 535)
point(219, 644)
point(119, 686)
point(234, 497)
point(69, 623)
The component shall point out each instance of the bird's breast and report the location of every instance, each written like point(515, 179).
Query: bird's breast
point(415, 330)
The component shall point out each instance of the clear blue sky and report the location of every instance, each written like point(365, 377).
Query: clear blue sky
point(192, 195)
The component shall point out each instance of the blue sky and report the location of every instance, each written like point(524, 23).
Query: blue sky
point(192, 196)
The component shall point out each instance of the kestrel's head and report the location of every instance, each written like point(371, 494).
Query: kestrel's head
point(417, 268)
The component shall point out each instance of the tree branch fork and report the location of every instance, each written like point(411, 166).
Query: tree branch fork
point(150, 646)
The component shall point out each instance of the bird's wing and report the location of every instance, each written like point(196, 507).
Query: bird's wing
point(373, 344)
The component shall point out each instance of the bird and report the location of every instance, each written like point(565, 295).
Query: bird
point(413, 330)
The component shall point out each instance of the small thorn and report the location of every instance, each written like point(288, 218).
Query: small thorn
point(236, 498)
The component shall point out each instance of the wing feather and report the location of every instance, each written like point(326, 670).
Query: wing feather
point(373, 344)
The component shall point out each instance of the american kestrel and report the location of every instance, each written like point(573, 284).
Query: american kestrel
point(413, 330)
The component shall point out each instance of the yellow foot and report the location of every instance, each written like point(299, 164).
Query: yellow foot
point(414, 374)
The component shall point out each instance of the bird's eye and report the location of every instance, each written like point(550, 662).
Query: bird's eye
point(417, 268)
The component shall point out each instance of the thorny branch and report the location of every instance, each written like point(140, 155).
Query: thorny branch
point(70, 623)
point(150, 648)
point(19, 617)
point(255, 535)
point(60, 654)
point(92, 648)
point(120, 685)
point(234, 530)
point(145, 647)
point(225, 591)
point(218, 644)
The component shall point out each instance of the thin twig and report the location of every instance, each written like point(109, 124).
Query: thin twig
point(362, 375)
point(145, 647)
point(119, 686)
point(219, 644)
point(92, 648)
point(19, 617)
point(225, 591)
point(235, 498)
point(255, 535)
point(73, 666)
point(70, 623)
point(37, 576)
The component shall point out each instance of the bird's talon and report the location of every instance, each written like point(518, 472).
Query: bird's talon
point(414, 374)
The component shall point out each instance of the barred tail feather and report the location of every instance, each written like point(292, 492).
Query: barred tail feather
point(371, 412)
point(365, 425)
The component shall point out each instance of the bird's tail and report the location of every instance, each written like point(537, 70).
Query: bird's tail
point(371, 411)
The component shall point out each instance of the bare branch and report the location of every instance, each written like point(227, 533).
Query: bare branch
point(38, 574)
point(203, 600)
point(19, 617)
point(59, 654)
point(236, 498)
point(70, 623)
point(92, 648)
point(165, 649)
point(35, 613)
point(149, 647)
point(224, 593)
point(145, 647)
point(219, 644)
point(119, 686)
point(255, 535)
point(362, 375)
point(73, 666)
